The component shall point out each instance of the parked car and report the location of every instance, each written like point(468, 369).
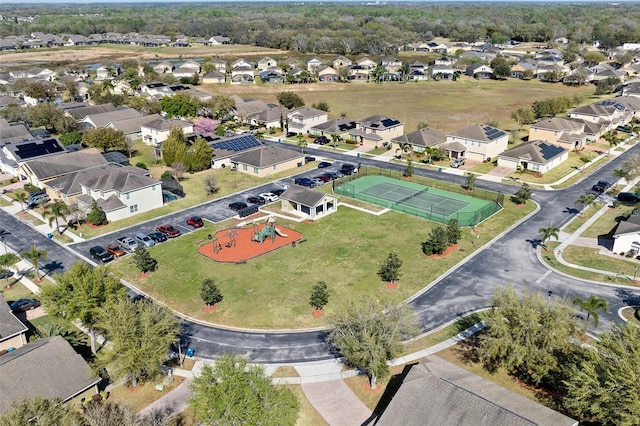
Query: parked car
point(35, 200)
point(318, 181)
point(324, 164)
point(6, 273)
point(115, 250)
point(323, 178)
point(195, 221)
point(624, 129)
point(270, 197)
point(277, 191)
point(100, 254)
point(145, 240)
point(158, 237)
point(348, 169)
point(457, 162)
point(309, 159)
point(129, 244)
point(601, 186)
point(305, 182)
point(322, 140)
point(168, 230)
point(292, 134)
point(237, 205)
point(256, 200)
point(628, 198)
point(24, 305)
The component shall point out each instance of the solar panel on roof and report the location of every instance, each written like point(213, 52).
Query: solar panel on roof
point(388, 122)
point(35, 149)
point(238, 144)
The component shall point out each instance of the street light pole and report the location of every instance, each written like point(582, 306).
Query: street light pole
point(550, 293)
point(4, 244)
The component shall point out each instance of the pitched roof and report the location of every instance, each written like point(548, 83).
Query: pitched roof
point(70, 183)
point(119, 179)
point(164, 124)
point(307, 112)
point(535, 151)
point(34, 148)
point(436, 392)
point(558, 124)
point(596, 110)
point(82, 112)
point(630, 225)
point(338, 125)
point(302, 195)
point(246, 108)
point(104, 118)
point(266, 156)
point(379, 122)
point(14, 133)
point(214, 74)
point(9, 325)
point(422, 137)
point(134, 124)
point(479, 132)
point(32, 367)
point(69, 162)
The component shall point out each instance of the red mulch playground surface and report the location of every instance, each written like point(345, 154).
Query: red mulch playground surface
point(245, 249)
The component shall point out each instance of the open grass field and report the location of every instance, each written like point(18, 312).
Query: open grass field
point(271, 292)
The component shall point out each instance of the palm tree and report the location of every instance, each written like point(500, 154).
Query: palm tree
point(259, 134)
point(586, 200)
point(7, 260)
point(22, 197)
point(334, 140)
point(404, 72)
point(621, 174)
point(54, 211)
point(550, 232)
point(302, 141)
point(34, 255)
point(591, 306)
point(406, 148)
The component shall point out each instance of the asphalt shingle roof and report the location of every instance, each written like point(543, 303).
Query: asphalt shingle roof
point(535, 151)
point(57, 165)
point(302, 195)
point(479, 132)
point(266, 156)
point(422, 137)
point(9, 324)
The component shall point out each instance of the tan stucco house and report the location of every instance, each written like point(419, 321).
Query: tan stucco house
point(376, 130)
point(536, 156)
point(302, 119)
point(480, 141)
point(559, 131)
point(308, 203)
point(267, 160)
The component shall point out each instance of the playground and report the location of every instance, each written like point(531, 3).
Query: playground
point(237, 245)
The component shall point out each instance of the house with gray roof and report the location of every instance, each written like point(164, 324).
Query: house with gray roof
point(157, 131)
point(557, 130)
point(132, 127)
point(267, 160)
point(14, 154)
point(338, 126)
point(376, 130)
point(120, 192)
point(45, 368)
point(243, 109)
point(303, 118)
point(214, 77)
point(13, 333)
point(272, 118)
point(79, 113)
point(421, 139)
point(17, 132)
point(536, 156)
point(626, 236)
point(39, 171)
point(435, 392)
point(308, 203)
point(480, 141)
point(98, 121)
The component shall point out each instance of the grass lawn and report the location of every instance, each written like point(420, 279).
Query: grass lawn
point(344, 249)
point(142, 395)
point(580, 219)
point(483, 168)
point(441, 335)
point(607, 222)
point(550, 259)
point(589, 257)
point(591, 167)
point(4, 203)
point(361, 387)
point(62, 238)
point(572, 164)
point(631, 315)
point(15, 292)
point(27, 217)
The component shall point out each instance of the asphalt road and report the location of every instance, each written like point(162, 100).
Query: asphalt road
point(509, 260)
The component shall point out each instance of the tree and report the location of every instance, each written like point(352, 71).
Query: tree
point(210, 184)
point(220, 106)
point(437, 241)
point(80, 293)
point(22, 197)
point(6, 260)
point(41, 412)
point(334, 140)
point(621, 174)
point(501, 68)
point(105, 138)
point(548, 233)
point(319, 295)
point(34, 255)
point(178, 170)
point(54, 211)
point(593, 58)
point(369, 334)
point(602, 387)
point(111, 413)
point(199, 155)
point(70, 138)
point(175, 147)
point(96, 215)
point(523, 194)
point(209, 292)
point(586, 200)
point(144, 261)
point(302, 141)
point(470, 180)
point(322, 105)
point(523, 116)
point(632, 165)
point(584, 159)
point(528, 336)
point(179, 105)
point(453, 231)
point(44, 115)
point(205, 125)
point(390, 269)
point(289, 100)
point(233, 392)
point(141, 334)
point(591, 306)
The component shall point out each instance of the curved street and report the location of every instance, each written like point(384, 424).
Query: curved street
point(509, 259)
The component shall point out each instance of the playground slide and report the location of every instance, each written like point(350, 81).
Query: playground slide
point(282, 234)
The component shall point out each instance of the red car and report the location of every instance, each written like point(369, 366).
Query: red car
point(168, 230)
point(195, 221)
point(115, 250)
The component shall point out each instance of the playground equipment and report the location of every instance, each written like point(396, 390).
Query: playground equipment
point(270, 230)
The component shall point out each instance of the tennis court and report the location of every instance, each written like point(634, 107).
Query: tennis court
point(419, 200)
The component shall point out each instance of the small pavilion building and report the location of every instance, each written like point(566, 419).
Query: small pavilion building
point(308, 203)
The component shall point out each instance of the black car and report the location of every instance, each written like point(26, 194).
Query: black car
point(24, 305)
point(601, 186)
point(309, 183)
point(324, 164)
point(158, 237)
point(348, 169)
point(322, 140)
point(277, 191)
point(256, 200)
point(100, 254)
point(291, 134)
point(309, 159)
point(5, 273)
point(628, 198)
point(237, 205)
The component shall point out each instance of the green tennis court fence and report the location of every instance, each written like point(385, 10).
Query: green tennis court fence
point(435, 214)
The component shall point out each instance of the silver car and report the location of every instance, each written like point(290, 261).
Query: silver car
point(145, 240)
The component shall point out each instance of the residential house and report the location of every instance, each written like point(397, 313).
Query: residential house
point(340, 126)
point(417, 71)
point(243, 110)
point(218, 39)
point(392, 65)
point(550, 57)
point(79, 113)
point(219, 64)
point(272, 118)
point(157, 131)
point(376, 130)
point(421, 139)
point(6, 101)
point(417, 47)
point(549, 72)
point(241, 63)
point(479, 71)
point(560, 131)
point(444, 60)
point(193, 65)
point(308, 203)
point(184, 72)
point(46, 368)
point(225, 149)
point(163, 67)
point(327, 75)
point(40, 171)
point(598, 113)
point(132, 127)
point(14, 154)
point(266, 62)
point(98, 121)
point(536, 156)
point(341, 62)
point(13, 333)
point(121, 192)
point(214, 77)
point(626, 236)
point(478, 55)
point(272, 75)
point(313, 64)
point(302, 119)
point(603, 71)
point(366, 63)
point(242, 75)
point(480, 142)
point(524, 70)
point(442, 72)
point(435, 392)
point(359, 73)
point(267, 160)
point(15, 132)
point(104, 72)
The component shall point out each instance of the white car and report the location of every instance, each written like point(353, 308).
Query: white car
point(270, 197)
point(457, 162)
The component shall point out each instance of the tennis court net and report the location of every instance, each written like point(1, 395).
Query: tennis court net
point(415, 194)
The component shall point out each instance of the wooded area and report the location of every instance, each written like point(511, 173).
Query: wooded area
point(340, 28)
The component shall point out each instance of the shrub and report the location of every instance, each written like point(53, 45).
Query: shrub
point(166, 175)
point(142, 165)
